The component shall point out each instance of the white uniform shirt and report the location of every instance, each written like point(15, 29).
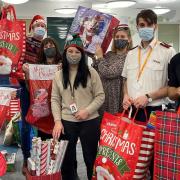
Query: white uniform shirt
point(155, 73)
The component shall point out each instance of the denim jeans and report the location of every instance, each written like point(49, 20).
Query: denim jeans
point(4, 81)
point(26, 127)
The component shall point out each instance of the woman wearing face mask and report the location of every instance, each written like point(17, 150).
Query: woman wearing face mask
point(110, 68)
point(49, 54)
point(77, 94)
point(38, 29)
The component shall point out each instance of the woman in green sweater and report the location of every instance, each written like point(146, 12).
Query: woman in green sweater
point(77, 94)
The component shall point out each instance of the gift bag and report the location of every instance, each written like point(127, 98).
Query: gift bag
point(93, 27)
point(12, 133)
point(40, 84)
point(146, 148)
point(12, 41)
point(3, 167)
point(5, 97)
point(119, 148)
point(167, 146)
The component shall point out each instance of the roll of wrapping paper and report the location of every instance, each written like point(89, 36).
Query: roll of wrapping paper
point(34, 148)
point(31, 167)
point(60, 155)
point(48, 155)
point(56, 148)
point(38, 166)
point(56, 153)
point(44, 154)
point(38, 159)
point(51, 166)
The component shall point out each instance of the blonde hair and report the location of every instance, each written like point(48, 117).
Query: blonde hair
point(127, 31)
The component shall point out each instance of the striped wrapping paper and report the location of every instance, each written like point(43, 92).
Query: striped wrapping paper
point(167, 146)
point(44, 156)
point(146, 149)
point(145, 155)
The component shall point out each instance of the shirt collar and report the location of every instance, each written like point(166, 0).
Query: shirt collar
point(152, 43)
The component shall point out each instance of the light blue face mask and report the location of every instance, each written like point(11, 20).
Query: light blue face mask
point(39, 32)
point(146, 33)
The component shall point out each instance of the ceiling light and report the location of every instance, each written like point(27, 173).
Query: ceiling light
point(120, 4)
point(100, 5)
point(160, 10)
point(66, 10)
point(15, 1)
point(159, 1)
point(104, 10)
point(62, 28)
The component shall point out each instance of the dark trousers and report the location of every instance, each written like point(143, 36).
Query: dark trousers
point(26, 127)
point(43, 135)
point(89, 133)
point(142, 117)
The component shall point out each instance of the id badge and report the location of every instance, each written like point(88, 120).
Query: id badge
point(137, 85)
point(73, 108)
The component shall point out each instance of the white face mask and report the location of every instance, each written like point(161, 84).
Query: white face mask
point(39, 32)
point(73, 59)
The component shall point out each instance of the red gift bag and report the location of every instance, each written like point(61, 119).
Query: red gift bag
point(3, 167)
point(119, 148)
point(5, 98)
point(55, 176)
point(94, 28)
point(12, 41)
point(167, 146)
point(40, 84)
point(147, 147)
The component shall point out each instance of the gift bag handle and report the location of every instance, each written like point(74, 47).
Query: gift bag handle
point(130, 113)
point(9, 9)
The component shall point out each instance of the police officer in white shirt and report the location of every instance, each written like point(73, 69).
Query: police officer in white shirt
point(146, 68)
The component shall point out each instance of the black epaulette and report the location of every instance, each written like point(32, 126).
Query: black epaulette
point(165, 45)
point(133, 48)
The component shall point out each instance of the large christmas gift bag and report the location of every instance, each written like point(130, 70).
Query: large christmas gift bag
point(5, 98)
point(94, 28)
point(40, 84)
point(146, 148)
point(167, 146)
point(12, 41)
point(119, 148)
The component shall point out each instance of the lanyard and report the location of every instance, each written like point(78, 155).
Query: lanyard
point(72, 90)
point(141, 69)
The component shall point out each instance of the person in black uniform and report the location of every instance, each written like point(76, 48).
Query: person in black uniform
point(174, 79)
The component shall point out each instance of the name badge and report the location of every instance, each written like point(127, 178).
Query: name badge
point(73, 108)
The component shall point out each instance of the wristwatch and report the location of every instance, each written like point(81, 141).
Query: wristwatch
point(149, 98)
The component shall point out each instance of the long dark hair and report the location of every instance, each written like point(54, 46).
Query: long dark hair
point(82, 72)
point(42, 56)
